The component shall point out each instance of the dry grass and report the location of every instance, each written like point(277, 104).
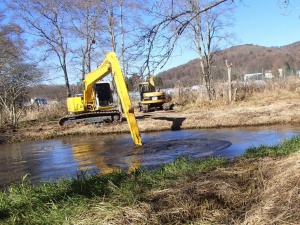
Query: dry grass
point(44, 113)
point(247, 192)
point(107, 214)
point(279, 201)
point(276, 88)
point(277, 102)
point(272, 108)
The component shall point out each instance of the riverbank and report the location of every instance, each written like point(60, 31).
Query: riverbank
point(261, 187)
point(260, 109)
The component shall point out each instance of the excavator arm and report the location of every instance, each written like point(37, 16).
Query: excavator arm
point(112, 64)
point(151, 80)
point(109, 66)
point(98, 74)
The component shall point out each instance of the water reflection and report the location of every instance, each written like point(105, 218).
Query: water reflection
point(84, 155)
point(90, 157)
point(63, 158)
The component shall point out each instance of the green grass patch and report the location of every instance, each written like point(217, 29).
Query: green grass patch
point(286, 147)
point(52, 203)
point(58, 203)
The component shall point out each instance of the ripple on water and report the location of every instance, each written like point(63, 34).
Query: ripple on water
point(160, 152)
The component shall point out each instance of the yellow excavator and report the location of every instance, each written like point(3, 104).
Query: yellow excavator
point(95, 105)
point(150, 99)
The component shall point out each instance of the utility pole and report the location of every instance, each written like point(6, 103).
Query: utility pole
point(229, 80)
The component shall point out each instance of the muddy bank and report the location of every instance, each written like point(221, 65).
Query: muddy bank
point(248, 113)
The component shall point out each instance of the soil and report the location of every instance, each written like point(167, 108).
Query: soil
point(253, 112)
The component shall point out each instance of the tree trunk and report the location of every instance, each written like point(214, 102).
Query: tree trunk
point(229, 81)
point(1, 116)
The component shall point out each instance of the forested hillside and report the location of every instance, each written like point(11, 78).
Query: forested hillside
point(244, 58)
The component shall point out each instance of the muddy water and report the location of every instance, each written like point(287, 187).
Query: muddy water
point(66, 157)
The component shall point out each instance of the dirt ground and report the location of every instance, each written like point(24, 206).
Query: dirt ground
point(256, 111)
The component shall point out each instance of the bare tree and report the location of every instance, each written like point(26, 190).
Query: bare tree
point(86, 19)
point(48, 21)
point(123, 20)
point(132, 22)
point(207, 32)
point(229, 67)
point(16, 75)
point(11, 46)
point(14, 83)
point(123, 24)
point(170, 19)
point(51, 22)
point(11, 42)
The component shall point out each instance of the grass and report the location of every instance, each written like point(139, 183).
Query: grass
point(56, 203)
point(186, 191)
point(53, 203)
point(288, 146)
point(48, 112)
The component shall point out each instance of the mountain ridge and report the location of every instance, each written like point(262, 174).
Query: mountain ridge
point(245, 59)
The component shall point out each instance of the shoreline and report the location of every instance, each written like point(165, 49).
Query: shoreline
point(253, 112)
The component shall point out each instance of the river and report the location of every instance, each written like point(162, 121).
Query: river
point(50, 160)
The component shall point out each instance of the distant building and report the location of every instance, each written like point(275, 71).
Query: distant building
point(253, 76)
point(268, 74)
point(280, 71)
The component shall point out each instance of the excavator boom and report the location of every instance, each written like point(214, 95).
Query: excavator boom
point(87, 108)
point(112, 64)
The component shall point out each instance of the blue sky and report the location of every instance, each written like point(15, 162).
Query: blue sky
point(267, 24)
point(258, 22)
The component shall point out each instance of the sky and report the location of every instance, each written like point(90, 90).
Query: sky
point(257, 22)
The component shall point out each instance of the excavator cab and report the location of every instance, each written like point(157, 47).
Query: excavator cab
point(104, 95)
point(145, 87)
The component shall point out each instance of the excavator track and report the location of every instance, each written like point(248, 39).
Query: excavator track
point(106, 116)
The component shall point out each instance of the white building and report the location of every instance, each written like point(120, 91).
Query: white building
point(253, 76)
point(280, 71)
point(268, 74)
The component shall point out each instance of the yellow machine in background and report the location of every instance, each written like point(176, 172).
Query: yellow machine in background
point(96, 103)
point(150, 99)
